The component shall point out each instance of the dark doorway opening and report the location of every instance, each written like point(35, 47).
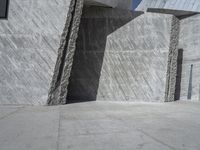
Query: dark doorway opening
point(179, 74)
point(189, 96)
point(4, 9)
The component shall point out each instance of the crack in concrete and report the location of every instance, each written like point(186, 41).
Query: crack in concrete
point(157, 140)
point(59, 124)
point(101, 133)
point(11, 113)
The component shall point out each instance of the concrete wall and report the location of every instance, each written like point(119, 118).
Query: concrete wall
point(124, 60)
point(120, 55)
point(190, 43)
point(135, 60)
point(187, 5)
point(29, 40)
point(60, 81)
point(124, 4)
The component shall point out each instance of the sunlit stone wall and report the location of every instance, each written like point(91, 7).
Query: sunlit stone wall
point(190, 44)
point(29, 40)
point(120, 56)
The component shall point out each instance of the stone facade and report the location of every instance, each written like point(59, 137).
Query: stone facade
point(124, 60)
point(186, 5)
point(189, 42)
point(29, 39)
point(106, 53)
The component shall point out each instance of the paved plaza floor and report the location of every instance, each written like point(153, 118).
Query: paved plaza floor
point(101, 126)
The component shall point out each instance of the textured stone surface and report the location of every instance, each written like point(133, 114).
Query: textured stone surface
point(135, 61)
point(117, 56)
point(187, 5)
point(33, 128)
point(90, 49)
point(190, 43)
point(124, 60)
point(172, 61)
point(55, 84)
point(59, 93)
point(70, 52)
point(29, 40)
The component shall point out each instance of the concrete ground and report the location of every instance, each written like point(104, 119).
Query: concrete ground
point(101, 126)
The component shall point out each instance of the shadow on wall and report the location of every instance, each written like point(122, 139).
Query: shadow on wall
point(96, 25)
point(179, 73)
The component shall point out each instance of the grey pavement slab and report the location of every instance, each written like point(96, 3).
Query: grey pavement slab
point(8, 110)
point(31, 128)
point(102, 126)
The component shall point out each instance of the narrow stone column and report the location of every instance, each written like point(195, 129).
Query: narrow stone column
point(70, 52)
point(62, 71)
point(172, 61)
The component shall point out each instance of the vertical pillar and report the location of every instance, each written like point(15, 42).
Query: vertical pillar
point(70, 51)
point(172, 61)
point(62, 71)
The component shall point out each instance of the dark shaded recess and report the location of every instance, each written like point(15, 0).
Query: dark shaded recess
point(186, 16)
point(179, 74)
point(189, 97)
point(89, 54)
point(4, 9)
point(180, 14)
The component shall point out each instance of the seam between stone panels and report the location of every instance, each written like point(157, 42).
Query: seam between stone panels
point(156, 139)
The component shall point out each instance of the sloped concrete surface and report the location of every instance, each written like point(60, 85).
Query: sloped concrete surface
point(101, 125)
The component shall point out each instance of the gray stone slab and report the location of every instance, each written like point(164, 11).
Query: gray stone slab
point(30, 128)
point(189, 43)
point(103, 125)
point(29, 40)
point(6, 111)
point(182, 5)
point(131, 126)
point(120, 140)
